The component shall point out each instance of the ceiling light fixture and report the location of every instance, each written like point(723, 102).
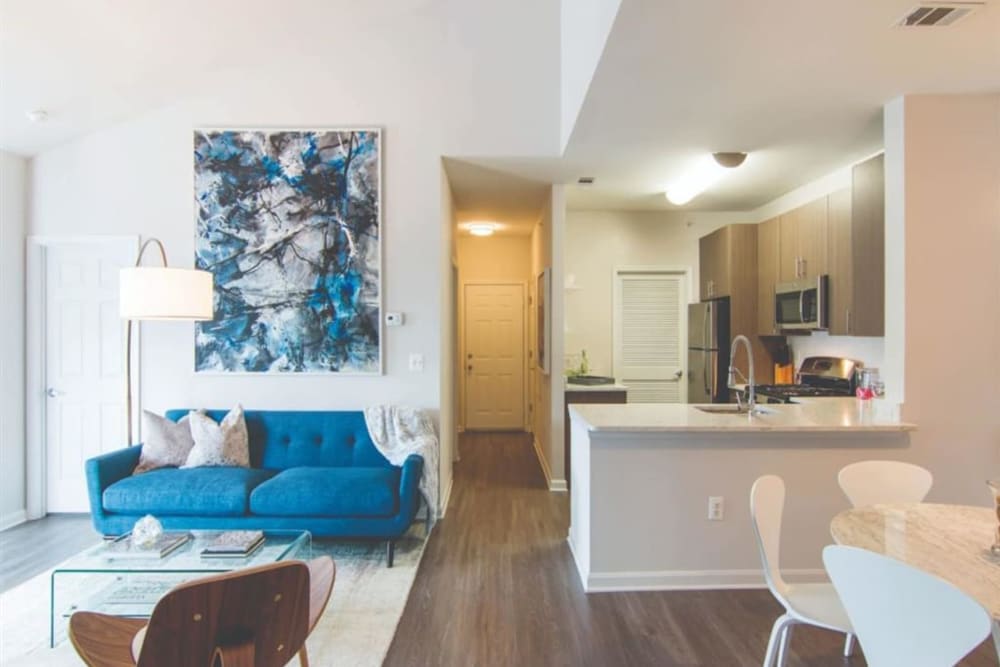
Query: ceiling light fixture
point(481, 228)
point(37, 115)
point(707, 171)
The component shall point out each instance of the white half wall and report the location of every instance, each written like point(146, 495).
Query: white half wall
point(13, 198)
point(584, 29)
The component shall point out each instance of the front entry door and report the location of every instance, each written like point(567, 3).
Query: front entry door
point(494, 357)
point(84, 383)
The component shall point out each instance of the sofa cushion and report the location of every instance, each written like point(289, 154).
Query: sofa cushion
point(340, 492)
point(220, 491)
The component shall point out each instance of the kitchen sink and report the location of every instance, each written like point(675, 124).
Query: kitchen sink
point(590, 379)
point(732, 409)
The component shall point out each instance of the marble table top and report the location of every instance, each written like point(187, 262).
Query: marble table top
point(950, 541)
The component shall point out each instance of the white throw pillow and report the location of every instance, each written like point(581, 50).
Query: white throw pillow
point(222, 444)
point(165, 442)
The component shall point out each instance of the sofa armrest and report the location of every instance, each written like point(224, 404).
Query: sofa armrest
point(106, 469)
point(409, 485)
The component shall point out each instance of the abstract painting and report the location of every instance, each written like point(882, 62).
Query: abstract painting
point(289, 223)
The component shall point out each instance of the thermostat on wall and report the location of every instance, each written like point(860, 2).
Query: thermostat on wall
point(394, 319)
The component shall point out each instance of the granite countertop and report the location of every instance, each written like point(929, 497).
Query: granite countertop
point(829, 415)
point(594, 387)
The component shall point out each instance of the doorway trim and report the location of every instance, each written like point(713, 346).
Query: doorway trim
point(665, 269)
point(35, 344)
point(525, 399)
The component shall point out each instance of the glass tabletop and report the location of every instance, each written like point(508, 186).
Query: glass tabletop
point(278, 545)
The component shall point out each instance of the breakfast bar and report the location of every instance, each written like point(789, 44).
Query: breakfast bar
point(646, 479)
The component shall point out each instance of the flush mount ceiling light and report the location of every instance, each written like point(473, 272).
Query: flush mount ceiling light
point(707, 171)
point(37, 115)
point(481, 228)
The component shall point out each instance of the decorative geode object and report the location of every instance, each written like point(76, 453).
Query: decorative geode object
point(146, 531)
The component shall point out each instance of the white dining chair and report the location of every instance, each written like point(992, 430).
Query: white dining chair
point(812, 604)
point(902, 615)
point(873, 482)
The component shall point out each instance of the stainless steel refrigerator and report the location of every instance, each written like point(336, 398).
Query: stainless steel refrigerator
point(708, 351)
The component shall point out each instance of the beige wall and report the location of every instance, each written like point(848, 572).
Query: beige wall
point(547, 244)
point(943, 284)
point(448, 418)
point(500, 259)
point(599, 242)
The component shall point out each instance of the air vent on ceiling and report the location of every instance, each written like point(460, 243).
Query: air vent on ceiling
point(939, 14)
point(585, 180)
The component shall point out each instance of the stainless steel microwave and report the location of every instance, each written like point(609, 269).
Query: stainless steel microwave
point(801, 304)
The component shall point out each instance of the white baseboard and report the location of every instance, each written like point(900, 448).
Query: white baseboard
point(557, 485)
point(12, 519)
point(680, 580)
point(446, 498)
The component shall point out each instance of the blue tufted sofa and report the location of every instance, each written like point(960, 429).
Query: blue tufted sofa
point(315, 471)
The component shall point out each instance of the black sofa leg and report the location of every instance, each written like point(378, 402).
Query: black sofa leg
point(390, 551)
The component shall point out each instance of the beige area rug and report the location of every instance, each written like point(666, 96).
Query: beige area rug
point(356, 629)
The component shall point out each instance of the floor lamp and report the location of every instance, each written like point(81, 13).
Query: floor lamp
point(159, 293)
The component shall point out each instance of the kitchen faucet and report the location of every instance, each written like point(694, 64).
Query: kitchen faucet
point(752, 398)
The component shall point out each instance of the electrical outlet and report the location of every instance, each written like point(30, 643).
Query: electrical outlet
point(716, 508)
point(416, 362)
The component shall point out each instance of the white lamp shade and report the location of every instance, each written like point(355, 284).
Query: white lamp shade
point(160, 293)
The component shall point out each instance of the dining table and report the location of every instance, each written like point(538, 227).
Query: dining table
point(951, 542)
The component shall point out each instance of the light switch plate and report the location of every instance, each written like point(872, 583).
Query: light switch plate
point(416, 362)
point(394, 319)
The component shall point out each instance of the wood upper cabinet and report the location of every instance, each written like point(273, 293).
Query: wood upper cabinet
point(867, 315)
point(841, 285)
point(768, 261)
point(856, 241)
point(714, 267)
point(803, 242)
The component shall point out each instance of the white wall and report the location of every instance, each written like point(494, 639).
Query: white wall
point(599, 242)
point(869, 349)
point(136, 177)
point(585, 26)
point(943, 204)
point(13, 197)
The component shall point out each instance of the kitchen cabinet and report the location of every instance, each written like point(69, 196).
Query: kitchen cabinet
point(856, 242)
point(713, 264)
point(803, 242)
point(768, 260)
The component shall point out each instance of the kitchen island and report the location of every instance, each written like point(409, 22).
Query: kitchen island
point(643, 475)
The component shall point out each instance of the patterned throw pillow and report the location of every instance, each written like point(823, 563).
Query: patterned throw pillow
point(166, 443)
point(222, 444)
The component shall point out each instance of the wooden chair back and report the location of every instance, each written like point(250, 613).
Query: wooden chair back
point(257, 617)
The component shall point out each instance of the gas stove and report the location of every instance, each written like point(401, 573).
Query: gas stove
point(818, 377)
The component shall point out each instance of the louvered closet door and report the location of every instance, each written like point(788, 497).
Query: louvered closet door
point(648, 333)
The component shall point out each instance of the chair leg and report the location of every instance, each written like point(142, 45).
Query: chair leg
point(390, 551)
point(777, 637)
point(786, 638)
point(303, 657)
point(849, 645)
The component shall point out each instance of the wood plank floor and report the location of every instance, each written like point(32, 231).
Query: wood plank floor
point(33, 547)
point(497, 586)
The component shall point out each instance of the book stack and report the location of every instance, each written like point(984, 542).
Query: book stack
point(165, 544)
point(234, 544)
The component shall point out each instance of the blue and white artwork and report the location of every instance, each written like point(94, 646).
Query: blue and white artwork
point(289, 224)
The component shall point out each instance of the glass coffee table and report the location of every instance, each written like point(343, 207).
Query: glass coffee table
point(97, 580)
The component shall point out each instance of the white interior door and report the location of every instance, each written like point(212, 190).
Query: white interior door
point(649, 335)
point(84, 383)
point(494, 357)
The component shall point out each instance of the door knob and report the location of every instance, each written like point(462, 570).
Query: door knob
point(678, 374)
point(52, 392)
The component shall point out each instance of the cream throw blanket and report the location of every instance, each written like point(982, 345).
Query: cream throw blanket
point(399, 431)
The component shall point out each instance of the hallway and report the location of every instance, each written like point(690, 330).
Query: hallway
point(497, 586)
